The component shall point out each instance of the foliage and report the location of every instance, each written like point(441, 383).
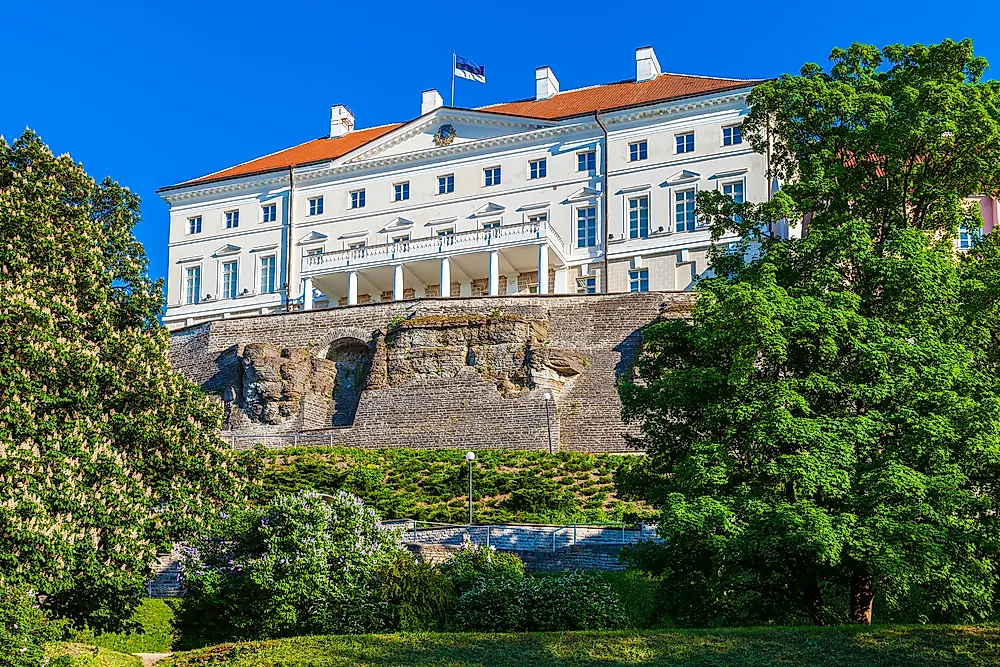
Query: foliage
point(415, 595)
point(826, 431)
point(637, 592)
point(23, 627)
point(564, 601)
point(302, 564)
point(106, 453)
point(886, 646)
point(150, 630)
point(69, 654)
point(474, 562)
point(509, 486)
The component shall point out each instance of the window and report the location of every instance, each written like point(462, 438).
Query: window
point(732, 136)
point(493, 224)
point(269, 212)
point(194, 225)
point(357, 245)
point(232, 219)
point(586, 285)
point(402, 238)
point(357, 199)
point(586, 227)
point(638, 280)
point(638, 217)
point(491, 176)
point(446, 232)
point(316, 206)
point(536, 168)
point(684, 211)
point(314, 252)
point(230, 278)
point(734, 190)
point(401, 191)
point(637, 151)
point(267, 274)
point(586, 161)
point(192, 285)
point(685, 142)
point(538, 218)
point(446, 184)
point(966, 237)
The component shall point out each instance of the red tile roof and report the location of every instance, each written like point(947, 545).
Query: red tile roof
point(618, 95)
point(316, 150)
point(562, 105)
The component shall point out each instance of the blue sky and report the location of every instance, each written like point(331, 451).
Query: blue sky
point(156, 93)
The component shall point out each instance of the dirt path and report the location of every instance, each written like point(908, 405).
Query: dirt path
point(151, 658)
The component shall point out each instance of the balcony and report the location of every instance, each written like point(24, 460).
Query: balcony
point(435, 247)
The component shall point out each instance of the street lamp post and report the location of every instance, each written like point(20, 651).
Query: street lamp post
point(548, 421)
point(470, 457)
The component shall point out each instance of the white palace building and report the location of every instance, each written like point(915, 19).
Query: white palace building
point(575, 191)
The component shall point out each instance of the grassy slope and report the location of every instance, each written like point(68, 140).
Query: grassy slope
point(155, 636)
point(432, 485)
point(91, 656)
point(894, 646)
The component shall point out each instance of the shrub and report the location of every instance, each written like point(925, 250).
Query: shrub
point(303, 564)
point(23, 628)
point(575, 601)
point(415, 595)
point(475, 562)
point(566, 601)
point(495, 604)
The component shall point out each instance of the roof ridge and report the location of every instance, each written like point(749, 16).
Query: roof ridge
point(706, 76)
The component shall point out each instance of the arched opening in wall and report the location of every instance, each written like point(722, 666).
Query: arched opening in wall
point(353, 359)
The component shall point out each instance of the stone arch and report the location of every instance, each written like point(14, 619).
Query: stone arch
point(352, 357)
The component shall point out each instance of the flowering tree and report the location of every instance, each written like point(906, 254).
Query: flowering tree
point(106, 454)
point(302, 564)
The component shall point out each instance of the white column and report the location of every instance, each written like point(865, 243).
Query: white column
point(543, 268)
point(397, 282)
point(494, 272)
point(307, 294)
point(352, 288)
point(445, 277)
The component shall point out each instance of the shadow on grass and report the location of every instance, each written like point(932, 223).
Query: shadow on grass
point(819, 647)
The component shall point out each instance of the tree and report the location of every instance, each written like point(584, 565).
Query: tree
point(826, 429)
point(106, 454)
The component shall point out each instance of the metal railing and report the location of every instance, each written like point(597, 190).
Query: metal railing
point(511, 536)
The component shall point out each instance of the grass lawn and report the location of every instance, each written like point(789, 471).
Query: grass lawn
point(895, 646)
point(91, 656)
point(154, 632)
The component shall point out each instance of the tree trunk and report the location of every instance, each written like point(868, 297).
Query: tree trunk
point(816, 606)
point(862, 596)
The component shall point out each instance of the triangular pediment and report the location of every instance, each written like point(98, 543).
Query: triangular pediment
point(684, 176)
point(312, 237)
point(447, 131)
point(584, 194)
point(396, 225)
point(488, 209)
point(228, 249)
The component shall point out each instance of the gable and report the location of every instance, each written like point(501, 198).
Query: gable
point(443, 130)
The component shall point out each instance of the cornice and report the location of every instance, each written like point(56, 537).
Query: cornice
point(223, 188)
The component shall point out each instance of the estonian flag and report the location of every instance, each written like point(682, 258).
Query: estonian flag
point(469, 70)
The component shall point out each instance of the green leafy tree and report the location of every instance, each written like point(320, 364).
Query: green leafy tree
point(106, 454)
point(825, 432)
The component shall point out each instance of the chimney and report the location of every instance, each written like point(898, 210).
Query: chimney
point(429, 101)
point(341, 121)
point(647, 67)
point(546, 83)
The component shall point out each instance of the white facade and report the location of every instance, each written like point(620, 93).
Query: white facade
point(438, 219)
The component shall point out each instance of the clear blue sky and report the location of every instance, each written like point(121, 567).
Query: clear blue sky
point(156, 93)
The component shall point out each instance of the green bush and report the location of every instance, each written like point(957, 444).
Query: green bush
point(509, 486)
point(23, 628)
point(566, 601)
point(302, 564)
point(474, 562)
point(415, 595)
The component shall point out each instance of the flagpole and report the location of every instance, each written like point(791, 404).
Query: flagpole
point(453, 63)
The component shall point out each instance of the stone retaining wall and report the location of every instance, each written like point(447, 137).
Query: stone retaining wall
point(580, 347)
point(578, 558)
